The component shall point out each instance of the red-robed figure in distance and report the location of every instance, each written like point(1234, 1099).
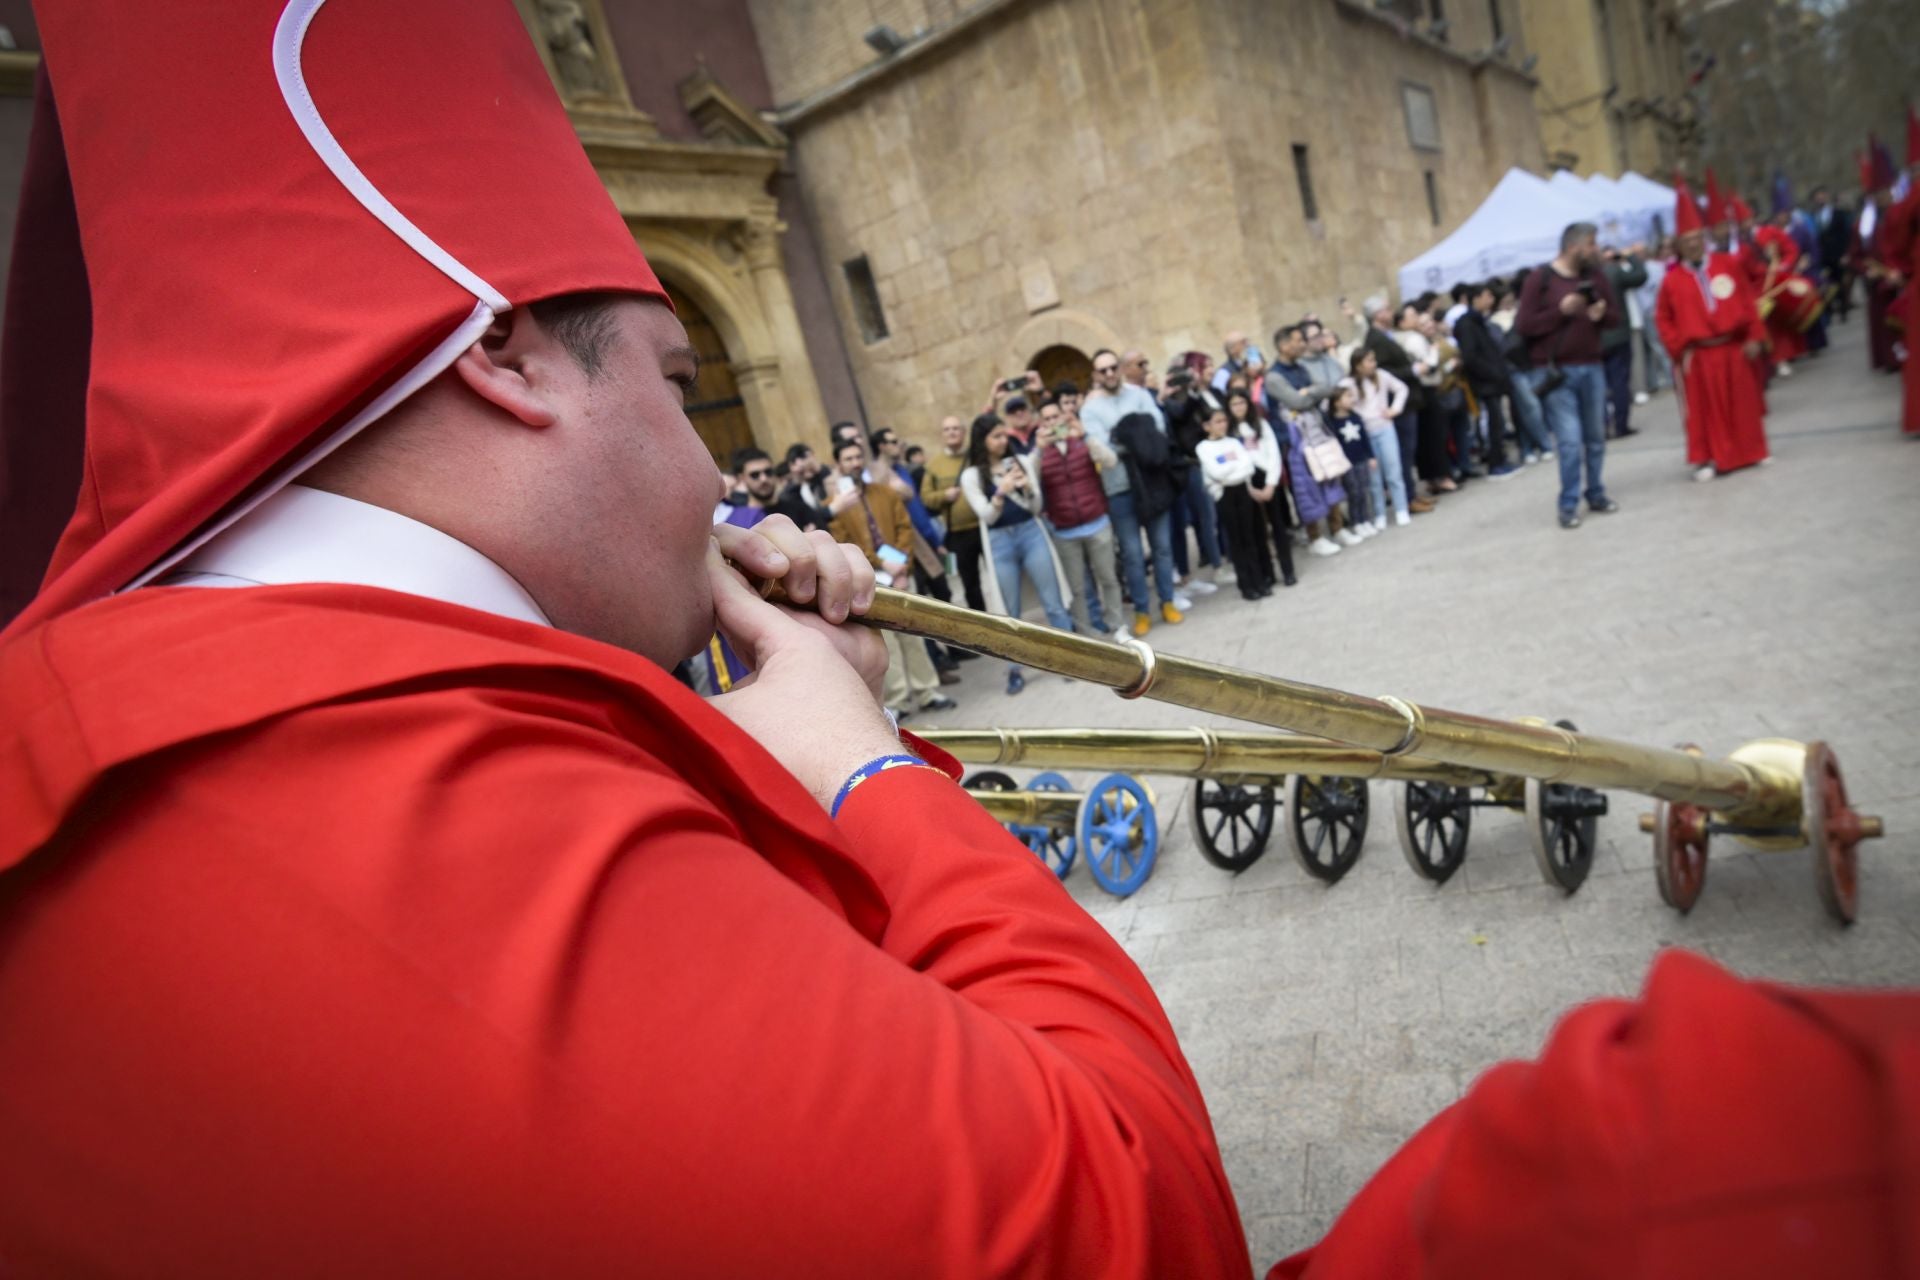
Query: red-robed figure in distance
point(1707, 320)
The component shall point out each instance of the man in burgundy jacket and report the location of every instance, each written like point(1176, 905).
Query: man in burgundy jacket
point(1562, 311)
point(1075, 505)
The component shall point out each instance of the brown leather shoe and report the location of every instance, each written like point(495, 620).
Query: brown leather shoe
point(1420, 506)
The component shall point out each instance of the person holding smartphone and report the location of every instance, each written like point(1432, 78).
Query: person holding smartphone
point(1563, 309)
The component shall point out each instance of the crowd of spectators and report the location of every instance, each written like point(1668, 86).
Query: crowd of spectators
point(1120, 503)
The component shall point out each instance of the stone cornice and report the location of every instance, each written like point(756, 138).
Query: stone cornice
point(1362, 11)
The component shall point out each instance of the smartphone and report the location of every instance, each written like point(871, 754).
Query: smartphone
point(1012, 384)
point(843, 484)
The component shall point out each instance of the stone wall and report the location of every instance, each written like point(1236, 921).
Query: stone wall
point(1103, 172)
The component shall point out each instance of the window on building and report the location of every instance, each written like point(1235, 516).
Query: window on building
point(1423, 120)
point(1437, 19)
point(1493, 12)
point(1433, 197)
point(867, 311)
point(1303, 174)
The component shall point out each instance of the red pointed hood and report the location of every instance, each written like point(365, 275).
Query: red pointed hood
point(285, 244)
point(1716, 202)
point(1738, 209)
point(1686, 213)
point(1866, 170)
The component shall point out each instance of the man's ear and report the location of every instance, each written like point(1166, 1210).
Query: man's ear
point(504, 368)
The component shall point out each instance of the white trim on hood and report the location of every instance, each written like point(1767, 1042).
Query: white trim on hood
point(289, 36)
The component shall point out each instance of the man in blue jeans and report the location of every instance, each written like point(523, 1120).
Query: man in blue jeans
point(1111, 400)
point(1563, 309)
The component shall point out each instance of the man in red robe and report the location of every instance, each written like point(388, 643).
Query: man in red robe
point(1871, 261)
point(373, 901)
point(1900, 257)
point(1706, 318)
point(1776, 257)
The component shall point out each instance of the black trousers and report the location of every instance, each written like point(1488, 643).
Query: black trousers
point(1495, 404)
point(1246, 539)
point(1432, 445)
point(965, 545)
point(1274, 515)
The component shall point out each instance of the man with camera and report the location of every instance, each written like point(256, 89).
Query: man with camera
point(1563, 309)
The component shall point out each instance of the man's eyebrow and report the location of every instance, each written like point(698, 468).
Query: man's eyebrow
point(683, 353)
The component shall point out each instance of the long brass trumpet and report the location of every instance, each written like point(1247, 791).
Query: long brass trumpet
point(1771, 794)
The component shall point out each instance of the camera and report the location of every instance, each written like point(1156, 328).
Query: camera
point(1180, 378)
point(1588, 292)
point(1013, 384)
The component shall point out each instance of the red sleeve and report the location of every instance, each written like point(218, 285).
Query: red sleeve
point(1714, 1127)
point(1667, 319)
point(496, 992)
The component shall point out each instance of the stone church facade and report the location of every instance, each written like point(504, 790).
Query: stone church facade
point(867, 210)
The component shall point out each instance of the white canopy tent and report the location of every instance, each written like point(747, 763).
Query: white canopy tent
point(1517, 225)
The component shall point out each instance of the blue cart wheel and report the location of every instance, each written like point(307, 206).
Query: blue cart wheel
point(1055, 847)
point(1119, 833)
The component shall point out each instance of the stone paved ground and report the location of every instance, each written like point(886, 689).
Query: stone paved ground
point(1327, 1023)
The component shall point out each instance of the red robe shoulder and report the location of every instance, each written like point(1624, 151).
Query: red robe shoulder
point(1713, 1127)
point(351, 933)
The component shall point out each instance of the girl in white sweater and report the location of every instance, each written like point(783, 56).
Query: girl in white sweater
point(1228, 466)
point(1382, 399)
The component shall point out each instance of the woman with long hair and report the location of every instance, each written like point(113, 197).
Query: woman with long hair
point(1003, 488)
point(1382, 398)
point(1268, 487)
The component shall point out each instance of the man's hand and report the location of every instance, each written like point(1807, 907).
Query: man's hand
point(813, 700)
point(953, 494)
point(1263, 495)
point(810, 567)
point(1570, 304)
point(1753, 348)
point(1597, 310)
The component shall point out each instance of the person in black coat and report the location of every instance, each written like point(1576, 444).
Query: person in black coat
point(1833, 226)
point(1487, 370)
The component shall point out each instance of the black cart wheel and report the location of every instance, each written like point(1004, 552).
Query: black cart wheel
point(1432, 820)
point(1232, 821)
point(1326, 823)
point(1562, 822)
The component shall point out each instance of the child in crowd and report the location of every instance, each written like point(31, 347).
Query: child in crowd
point(1315, 464)
point(1228, 466)
point(1382, 398)
point(1268, 487)
point(1366, 496)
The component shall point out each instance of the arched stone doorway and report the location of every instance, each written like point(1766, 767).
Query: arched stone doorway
point(716, 408)
point(1061, 362)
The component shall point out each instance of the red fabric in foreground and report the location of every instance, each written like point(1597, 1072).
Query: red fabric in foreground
point(1713, 1127)
point(1725, 416)
point(351, 933)
point(1901, 242)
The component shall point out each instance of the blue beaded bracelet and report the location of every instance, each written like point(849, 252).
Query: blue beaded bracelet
point(870, 769)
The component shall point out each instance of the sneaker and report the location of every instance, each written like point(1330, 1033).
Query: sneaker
point(1200, 587)
point(900, 714)
point(1323, 547)
point(949, 675)
point(938, 702)
point(1142, 624)
point(1528, 459)
point(1785, 370)
point(1569, 519)
point(1363, 530)
point(1168, 613)
point(1704, 474)
point(1347, 538)
point(1605, 507)
point(1401, 517)
point(1015, 681)
point(1289, 581)
point(1500, 472)
point(1379, 524)
point(1180, 602)
point(1767, 461)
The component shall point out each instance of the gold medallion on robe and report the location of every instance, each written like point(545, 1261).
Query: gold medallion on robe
point(1722, 287)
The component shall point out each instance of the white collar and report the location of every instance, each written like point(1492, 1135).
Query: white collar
point(302, 534)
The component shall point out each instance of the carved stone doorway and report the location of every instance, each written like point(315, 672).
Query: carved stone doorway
point(1059, 363)
point(715, 408)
